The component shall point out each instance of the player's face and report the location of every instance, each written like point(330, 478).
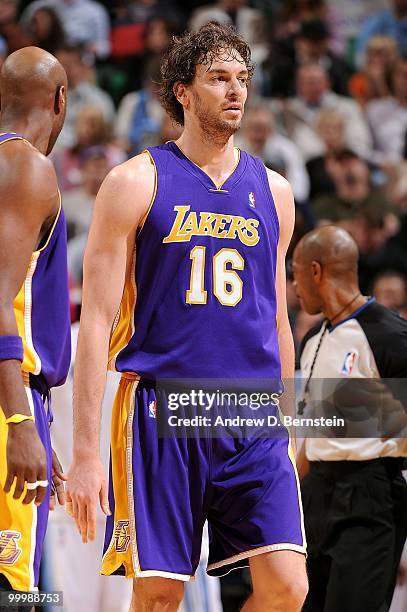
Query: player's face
point(219, 93)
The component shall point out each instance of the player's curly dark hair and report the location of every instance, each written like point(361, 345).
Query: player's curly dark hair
point(192, 48)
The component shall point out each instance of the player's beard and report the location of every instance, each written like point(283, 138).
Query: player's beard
point(213, 127)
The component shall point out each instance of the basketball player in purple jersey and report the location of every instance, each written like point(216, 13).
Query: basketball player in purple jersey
point(199, 230)
point(34, 307)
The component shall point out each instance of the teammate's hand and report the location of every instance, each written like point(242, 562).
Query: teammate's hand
point(86, 483)
point(26, 461)
point(58, 479)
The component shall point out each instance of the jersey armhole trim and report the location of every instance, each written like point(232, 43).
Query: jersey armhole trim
point(270, 198)
point(144, 219)
point(51, 231)
point(16, 137)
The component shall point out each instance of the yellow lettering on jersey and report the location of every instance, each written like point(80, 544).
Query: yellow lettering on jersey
point(237, 224)
point(205, 224)
point(252, 235)
point(212, 224)
point(220, 222)
point(190, 227)
point(175, 235)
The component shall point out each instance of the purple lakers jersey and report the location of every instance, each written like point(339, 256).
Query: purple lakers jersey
point(41, 307)
point(204, 276)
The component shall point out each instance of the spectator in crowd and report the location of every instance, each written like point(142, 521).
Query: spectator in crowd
point(293, 13)
point(78, 203)
point(354, 493)
point(247, 20)
point(392, 21)
point(397, 181)
point(353, 194)
point(82, 91)
point(311, 44)
point(374, 79)
point(381, 244)
point(157, 37)
point(390, 289)
point(350, 16)
point(3, 50)
point(134, 44)
point(10, 29)
point(388, 118)
point(140, 115)
point(300, 114)
point(46, 30)
point(91, 129)
point(144, 10)
point(260, 138)
point(331, 130)
point(85, 22)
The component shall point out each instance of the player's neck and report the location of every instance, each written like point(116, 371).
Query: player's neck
point(32, 128)
point(216, 159)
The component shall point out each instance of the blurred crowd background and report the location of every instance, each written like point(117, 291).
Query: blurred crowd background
point(327, 109)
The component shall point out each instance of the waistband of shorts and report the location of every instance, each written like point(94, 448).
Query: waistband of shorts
point(336, 469)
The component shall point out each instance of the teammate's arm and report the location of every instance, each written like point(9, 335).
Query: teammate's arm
point(24, 213)
point(284, 202)
point(120, 205)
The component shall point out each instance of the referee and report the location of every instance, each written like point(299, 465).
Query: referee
point(354, 495)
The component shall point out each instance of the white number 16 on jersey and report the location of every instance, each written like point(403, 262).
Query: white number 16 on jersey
point(227, 284)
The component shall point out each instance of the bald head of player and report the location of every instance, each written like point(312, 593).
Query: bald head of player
point(325, 267)
point(33, 96)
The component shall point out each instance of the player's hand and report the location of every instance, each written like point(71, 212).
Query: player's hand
point(58, 479)
point(26, 462)
point(86, 484)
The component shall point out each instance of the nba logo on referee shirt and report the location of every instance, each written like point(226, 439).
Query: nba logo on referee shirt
point(152, 406)
point(252, 200)
point(348, 363)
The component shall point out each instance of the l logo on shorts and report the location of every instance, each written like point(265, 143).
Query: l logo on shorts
point(9, 548)
point(121, 536)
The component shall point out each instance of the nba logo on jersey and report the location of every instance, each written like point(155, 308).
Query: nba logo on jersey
point(252, 200)
point(152, 406)
point(348, 363)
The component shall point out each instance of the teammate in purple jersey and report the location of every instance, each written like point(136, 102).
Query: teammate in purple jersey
point(34, 307)
point(184, 277)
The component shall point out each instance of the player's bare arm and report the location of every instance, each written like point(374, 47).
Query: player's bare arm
point(25, 216)
point(284, 203)
point(121, 204)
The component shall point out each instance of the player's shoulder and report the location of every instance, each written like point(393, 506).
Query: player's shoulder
point(128, 190)
point(24, 165)
point(135, 172)
point(284, 204)
point(278, 183)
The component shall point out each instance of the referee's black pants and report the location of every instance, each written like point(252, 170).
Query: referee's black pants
point(356, 524)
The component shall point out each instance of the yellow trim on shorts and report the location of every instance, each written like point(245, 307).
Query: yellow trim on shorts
point(124, 528)
point(18, 523)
